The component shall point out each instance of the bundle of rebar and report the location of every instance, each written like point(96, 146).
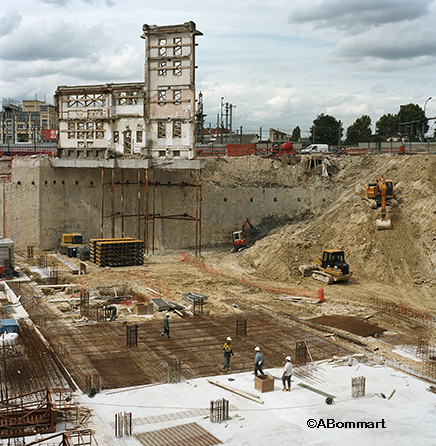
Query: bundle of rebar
point(219, 410)
point(123, 424)
point(358, 386)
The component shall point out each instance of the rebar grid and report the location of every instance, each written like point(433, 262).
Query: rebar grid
point(196, 342)
point(28, 365)
point(427, 352)
point(403, 312)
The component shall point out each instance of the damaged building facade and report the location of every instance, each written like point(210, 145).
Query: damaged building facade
point(154, 118)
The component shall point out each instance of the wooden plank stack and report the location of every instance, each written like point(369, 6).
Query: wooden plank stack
point(117, 251)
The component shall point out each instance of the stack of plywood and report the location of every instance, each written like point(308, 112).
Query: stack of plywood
point(117, 251)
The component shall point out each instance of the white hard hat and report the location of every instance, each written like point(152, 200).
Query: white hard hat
point(288, 358)
point(257, 349)
point(229, 338)
point(168, 314)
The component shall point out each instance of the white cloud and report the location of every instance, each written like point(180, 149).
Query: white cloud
point(53, 40)
point(353, 16)
point(9, 22)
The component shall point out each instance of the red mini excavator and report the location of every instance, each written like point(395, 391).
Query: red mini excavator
point(240, 241)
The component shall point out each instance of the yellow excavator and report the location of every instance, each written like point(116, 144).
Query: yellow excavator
point(380, 194)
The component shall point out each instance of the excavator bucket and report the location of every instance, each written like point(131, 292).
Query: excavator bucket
point(383, 224)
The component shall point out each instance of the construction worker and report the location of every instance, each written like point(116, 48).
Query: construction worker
point(287, 374)
point(166, 326)
point(227, 349)
point(259, 359)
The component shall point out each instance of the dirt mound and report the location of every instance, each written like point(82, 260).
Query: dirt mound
point(404, 257)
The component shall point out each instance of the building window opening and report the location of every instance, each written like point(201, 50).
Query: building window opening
point(177, 97)
point(162, 97)
point(162, 47)
point(128, 142)
point(162, 69)
point(161, 129)
point(177, 129)
point(177, 49)
point(177, 68)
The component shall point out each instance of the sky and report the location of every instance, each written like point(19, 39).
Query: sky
point(280, 63)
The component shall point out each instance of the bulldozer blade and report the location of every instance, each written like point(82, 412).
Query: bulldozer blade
point(383, 224)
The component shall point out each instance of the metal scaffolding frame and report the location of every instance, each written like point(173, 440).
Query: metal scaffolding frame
point(147, 217)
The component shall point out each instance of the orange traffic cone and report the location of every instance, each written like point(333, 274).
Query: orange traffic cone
point(321, 295)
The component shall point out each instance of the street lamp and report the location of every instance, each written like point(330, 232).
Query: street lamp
point(423, 124)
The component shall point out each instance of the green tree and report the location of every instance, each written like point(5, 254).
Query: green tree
point(387, 126)
point(326, 130)
point(359, 131)
point(412, 121)
point(296, 134)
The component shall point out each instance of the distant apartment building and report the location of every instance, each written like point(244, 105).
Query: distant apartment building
point(154, 118)
point(27, 121)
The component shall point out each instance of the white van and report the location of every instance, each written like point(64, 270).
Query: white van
point(316, 148)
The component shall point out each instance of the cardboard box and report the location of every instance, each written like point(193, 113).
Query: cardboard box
point(264, 383)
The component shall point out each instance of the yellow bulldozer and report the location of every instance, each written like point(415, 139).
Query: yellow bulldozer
point(329, 269)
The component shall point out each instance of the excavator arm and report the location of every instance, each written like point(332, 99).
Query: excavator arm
point(244, 226)
point(382, 223)
point(383, 198)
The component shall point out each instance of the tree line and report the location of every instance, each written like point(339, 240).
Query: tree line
point(409, 124)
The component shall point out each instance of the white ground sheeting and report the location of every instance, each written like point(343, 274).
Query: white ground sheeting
point(407, 418)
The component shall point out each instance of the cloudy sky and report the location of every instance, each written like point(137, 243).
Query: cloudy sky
point(280, 62)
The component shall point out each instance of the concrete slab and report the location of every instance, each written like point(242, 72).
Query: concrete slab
point(303, 416)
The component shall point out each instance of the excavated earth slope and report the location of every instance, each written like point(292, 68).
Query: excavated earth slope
point(397, 264)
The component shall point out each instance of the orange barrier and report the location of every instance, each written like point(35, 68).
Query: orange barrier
point(198, 265)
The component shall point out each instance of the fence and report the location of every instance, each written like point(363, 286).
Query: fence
point(400, 148)
point(26, 149)
point(273, 149)
point(261, 149)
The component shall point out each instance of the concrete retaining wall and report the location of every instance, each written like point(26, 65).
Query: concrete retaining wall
point(42, 202)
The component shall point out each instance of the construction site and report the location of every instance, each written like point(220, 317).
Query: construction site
point(326, 259)
point(69, 346)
